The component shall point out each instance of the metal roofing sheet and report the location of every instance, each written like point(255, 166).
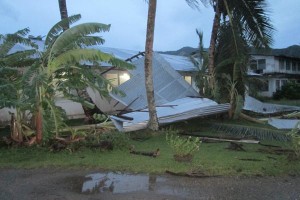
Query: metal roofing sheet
point(168, 85)
point(284, 123)
point(257, 106)
point(180, 63)
point(178, 110)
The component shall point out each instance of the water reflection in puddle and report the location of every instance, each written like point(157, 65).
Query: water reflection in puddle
point(119, 183)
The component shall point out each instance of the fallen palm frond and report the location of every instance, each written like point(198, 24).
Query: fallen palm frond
point(248, 131)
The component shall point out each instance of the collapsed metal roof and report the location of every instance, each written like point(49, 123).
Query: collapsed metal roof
point(179, 63)
point(168, 85)
point(177, 110)
point(254, 105)
point(284, 123)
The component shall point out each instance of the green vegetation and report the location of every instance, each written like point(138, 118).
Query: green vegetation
point(182, 146)
point(285, 102)
point(290, 90)
point(211, 159)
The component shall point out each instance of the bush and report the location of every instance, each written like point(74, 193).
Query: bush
point(118, 139)
point(290, 90)
point(182, 146)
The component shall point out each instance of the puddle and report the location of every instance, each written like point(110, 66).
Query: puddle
point(119, 183)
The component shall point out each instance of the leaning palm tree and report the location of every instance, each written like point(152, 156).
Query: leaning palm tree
point(61, 68)
point(248, 17)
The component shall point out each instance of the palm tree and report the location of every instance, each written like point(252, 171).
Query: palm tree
point(153, 120)
point(248, 18)
point(63, 11)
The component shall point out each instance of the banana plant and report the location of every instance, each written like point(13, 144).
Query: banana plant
point(11, 85)
point(62, 67)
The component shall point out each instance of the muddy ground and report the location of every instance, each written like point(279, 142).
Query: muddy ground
point(91, 184)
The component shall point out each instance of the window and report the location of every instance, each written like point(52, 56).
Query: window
point(261, 64)
point(123, 77)
point(298, 66)
point(113, 78)
point(281, 64)
point(288, 65)
point(117, 78)
point(188, 79)
point(294, 66)
point(278, 85)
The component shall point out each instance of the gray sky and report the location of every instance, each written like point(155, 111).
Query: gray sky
point(175, 21)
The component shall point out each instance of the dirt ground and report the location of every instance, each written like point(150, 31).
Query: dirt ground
point(61, 184)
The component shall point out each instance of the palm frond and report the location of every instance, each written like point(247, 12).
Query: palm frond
point(72, 34)
point(77, 56)
point(253, 16)
point(249, 131)
point(59, 27)
point(20, 58)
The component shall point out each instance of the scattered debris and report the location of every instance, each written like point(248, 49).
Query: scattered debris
point(145, 153)
point(284, 123)
point(250, 131)
point(254, 105)
point(235, 146)
point(227, 140)
point(276, 151)
point(197, 174)
point(178, 110)
point(104, 145)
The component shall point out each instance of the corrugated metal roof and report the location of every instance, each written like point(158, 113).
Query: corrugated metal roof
point(257, 106)
point(178, 110)
point(284, 123)
point(122, 54)
point(168, 85)
point(180, 63)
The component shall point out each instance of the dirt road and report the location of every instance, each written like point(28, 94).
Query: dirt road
point(61, 184)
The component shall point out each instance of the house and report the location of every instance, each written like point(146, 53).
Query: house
point(173, 80)
point(274, 68)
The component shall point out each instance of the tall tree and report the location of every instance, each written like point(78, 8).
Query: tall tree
point(253, 21)
point(63, 11)
point(153, 120)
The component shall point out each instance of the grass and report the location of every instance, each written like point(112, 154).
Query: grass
point(285, 102)
point(212, 159)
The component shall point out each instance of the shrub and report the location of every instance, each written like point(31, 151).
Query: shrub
point(290, 90)
point(182, 146)
point(118, 139)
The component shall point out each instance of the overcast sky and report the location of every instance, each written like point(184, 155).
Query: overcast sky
point(175, 27)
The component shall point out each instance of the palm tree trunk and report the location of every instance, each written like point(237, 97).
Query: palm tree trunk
point(63, 11)
point(212, 46)
point(153, 120)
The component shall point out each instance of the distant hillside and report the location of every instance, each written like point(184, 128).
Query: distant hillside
point(184, 51)
point(292, 51)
